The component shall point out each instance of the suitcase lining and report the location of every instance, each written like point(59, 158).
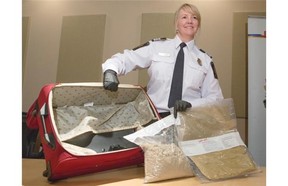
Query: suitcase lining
point(108, 117)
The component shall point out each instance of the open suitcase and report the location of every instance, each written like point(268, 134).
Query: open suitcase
point(81, 126)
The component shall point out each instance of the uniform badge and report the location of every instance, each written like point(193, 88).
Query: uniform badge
point(199, 61)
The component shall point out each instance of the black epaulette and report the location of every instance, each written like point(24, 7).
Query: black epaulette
point(140, 46)
point(205, 52)
point(212, 65)
point(148, 43)
point(159, 39)
point(214, 70)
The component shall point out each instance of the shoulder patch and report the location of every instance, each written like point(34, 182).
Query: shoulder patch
point(205, 52)
point(214, 70)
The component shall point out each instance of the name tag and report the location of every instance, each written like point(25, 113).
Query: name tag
point(164, 54)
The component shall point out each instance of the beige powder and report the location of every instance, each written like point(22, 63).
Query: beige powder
point(165, 161)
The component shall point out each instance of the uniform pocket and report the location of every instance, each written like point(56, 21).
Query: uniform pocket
point(163, 58)
point(161, 68)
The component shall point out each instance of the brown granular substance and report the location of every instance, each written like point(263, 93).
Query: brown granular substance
point(210, 121)
point(225, 164)
point(205, 122)
point(165, 161)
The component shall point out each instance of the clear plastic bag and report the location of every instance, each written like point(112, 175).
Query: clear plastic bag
point(163, 158)
point(208, 136)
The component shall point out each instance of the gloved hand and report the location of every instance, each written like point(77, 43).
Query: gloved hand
point(181, 105)
point(110, 80)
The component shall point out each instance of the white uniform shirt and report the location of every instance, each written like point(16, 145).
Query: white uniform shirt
point(200, 85)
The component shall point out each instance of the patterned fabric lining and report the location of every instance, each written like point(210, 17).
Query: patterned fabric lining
point(106, 111)
point(78, 96)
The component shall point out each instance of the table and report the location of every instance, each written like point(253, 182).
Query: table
point(32, 170)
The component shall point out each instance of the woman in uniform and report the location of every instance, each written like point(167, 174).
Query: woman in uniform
point(194, 83)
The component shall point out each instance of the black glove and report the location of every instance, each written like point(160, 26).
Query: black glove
point(110, 80)
point(181, 105)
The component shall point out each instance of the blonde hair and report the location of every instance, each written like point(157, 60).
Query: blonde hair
point(190, 9)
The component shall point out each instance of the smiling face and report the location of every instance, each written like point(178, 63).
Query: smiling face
point(187, 22)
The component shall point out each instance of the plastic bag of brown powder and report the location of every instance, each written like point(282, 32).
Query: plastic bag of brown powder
point(208, 136)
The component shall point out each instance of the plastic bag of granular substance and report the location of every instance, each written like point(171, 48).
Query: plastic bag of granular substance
point(209, 137)
point(163, 158)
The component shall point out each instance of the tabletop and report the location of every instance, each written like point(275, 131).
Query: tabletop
point(32, 170)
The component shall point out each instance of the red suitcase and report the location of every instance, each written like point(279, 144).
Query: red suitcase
point(81, 126)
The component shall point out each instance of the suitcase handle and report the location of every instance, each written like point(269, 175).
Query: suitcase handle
point(43, 114)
